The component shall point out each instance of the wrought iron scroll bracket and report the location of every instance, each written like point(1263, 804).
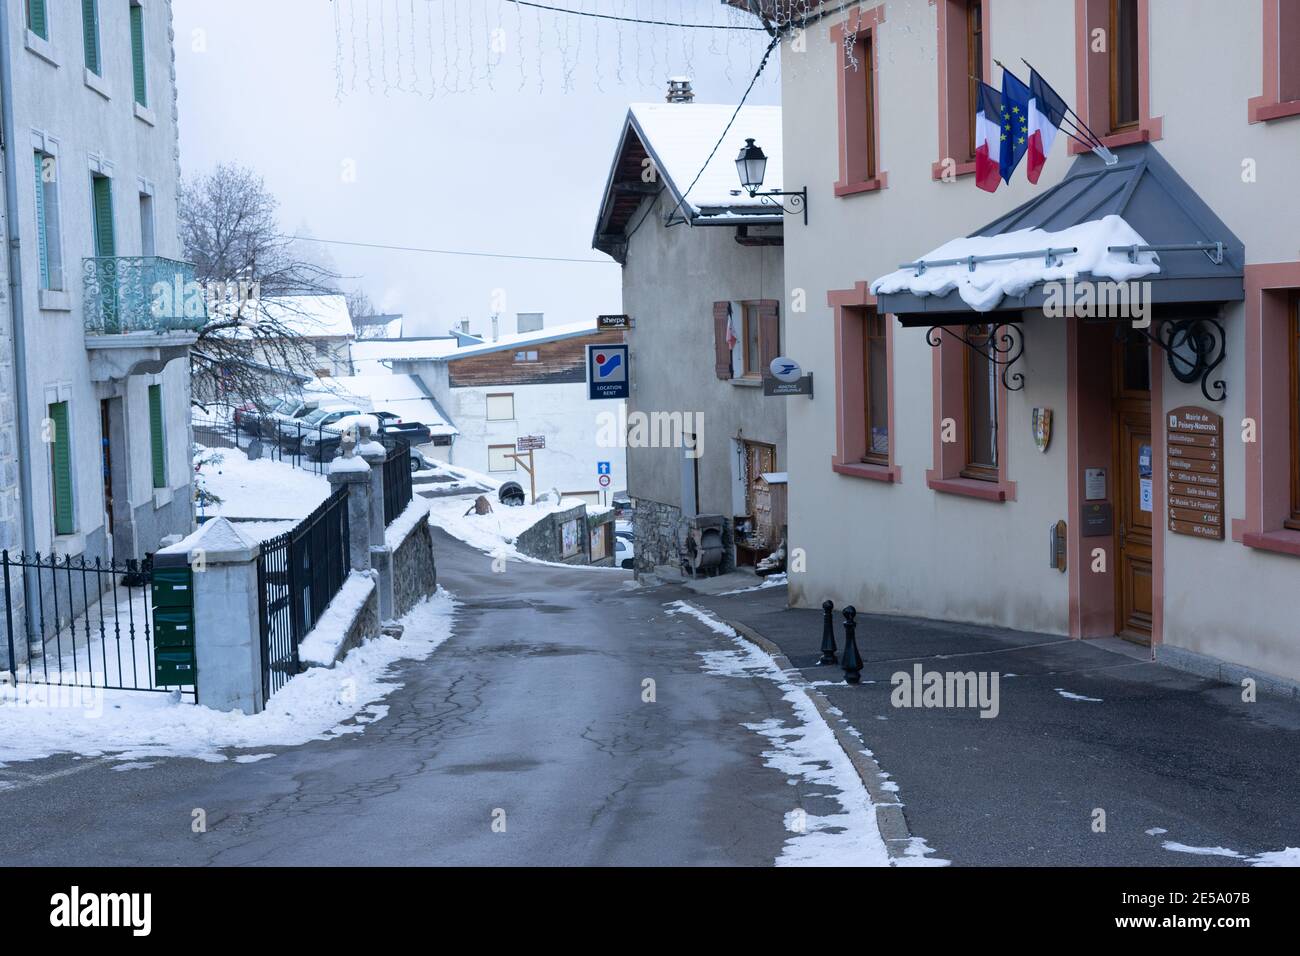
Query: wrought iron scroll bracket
point(798, 202)
point(1194, 349)
point(1004, 346)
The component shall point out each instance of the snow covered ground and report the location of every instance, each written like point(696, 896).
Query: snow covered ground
point(495, 532)
point(320, 704)
point(257, 489)
point(807, 749)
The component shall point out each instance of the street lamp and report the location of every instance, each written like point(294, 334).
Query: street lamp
point(751, 167)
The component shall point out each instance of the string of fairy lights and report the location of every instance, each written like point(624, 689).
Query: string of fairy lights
point(436, 48)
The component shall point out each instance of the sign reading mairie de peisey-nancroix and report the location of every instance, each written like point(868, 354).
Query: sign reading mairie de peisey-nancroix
point(1194, 450)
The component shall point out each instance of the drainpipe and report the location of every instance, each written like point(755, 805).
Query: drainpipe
point(16, 298)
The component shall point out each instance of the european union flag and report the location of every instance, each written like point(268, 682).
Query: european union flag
point(1015, 124)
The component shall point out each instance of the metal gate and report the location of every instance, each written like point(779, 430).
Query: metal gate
point(298, 574)
point(74, 623)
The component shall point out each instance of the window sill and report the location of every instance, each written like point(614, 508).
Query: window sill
point(97, 83)
point(68, 544)
point(938, 169)
point(1148, 130)
point(1279, 542)
point(162, 497)
point(145, 115)
point(879, 181)
point(890, 474)
point(1276, 111)
point(747, 382)
point(41, 47)
point(999, 491)
point(53, 300)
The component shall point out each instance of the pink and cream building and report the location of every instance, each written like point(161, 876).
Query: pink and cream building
point(923, 481)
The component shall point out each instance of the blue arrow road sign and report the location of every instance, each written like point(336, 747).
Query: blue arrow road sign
point(602, 468)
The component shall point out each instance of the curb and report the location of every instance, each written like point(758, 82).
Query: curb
point(889, 809)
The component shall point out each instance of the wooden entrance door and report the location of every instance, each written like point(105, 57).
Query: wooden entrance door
point(1133, 492)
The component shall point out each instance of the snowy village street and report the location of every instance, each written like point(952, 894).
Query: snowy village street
point(533, 707)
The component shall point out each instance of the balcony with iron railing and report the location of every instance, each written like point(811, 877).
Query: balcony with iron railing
point(140, 313)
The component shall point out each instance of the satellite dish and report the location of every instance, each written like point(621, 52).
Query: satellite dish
point(785, 369)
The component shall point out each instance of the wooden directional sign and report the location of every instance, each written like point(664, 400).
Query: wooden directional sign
point(1194, 443)
point(530, 443)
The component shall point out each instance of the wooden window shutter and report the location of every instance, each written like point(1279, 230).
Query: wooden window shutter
point(157, 443)
point(721, 350)
point(42, 236)
point(103, 196)
point(769, 333)
point(61, 466)
point(137, 54)
point(90, 31)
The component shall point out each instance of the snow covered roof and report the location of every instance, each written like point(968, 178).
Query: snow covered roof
point(377, 350)
point(378, 326)
point(518, 339)
point(310, 316)
point(1140, 200)
point(677, 138)
point(403, 395)
point(680, 135)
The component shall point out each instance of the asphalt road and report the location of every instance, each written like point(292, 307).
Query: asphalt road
point(532, 709)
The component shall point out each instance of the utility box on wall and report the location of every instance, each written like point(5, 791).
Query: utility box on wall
point(175, 662)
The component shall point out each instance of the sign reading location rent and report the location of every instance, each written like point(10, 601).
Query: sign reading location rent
point(530, 443)
point(1195, 453)
point(607, 371)
point(613, 322)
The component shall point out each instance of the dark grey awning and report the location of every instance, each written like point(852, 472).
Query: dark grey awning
point(1143, 189)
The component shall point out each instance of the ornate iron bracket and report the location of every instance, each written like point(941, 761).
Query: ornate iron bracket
point(798, 201)
point(1004, 347)
point(1194, 347)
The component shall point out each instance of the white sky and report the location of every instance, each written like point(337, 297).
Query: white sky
point(497, 170)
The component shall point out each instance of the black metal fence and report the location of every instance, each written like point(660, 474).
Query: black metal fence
point(78, 623)
point(214, 433)
point(298, 574)
point(397, 480)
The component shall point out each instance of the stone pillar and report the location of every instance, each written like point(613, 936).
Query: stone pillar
point(350, 471)
point(227, 623)
point(381, 556)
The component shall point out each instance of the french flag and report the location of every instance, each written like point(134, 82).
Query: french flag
point(988, 133)
point(1046, 111)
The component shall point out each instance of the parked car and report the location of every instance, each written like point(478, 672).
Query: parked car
point(624, 550)
point(287, 410)
point(322, 443)
point(312, 425)
point(245, 418)
point(417, 433)
point(419, 462)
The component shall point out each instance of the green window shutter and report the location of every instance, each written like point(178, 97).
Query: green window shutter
point(137, 53)
point(61, 467)
point(156, 438)
point(42, 235)
point(103, 197)
point(36, 21)
point(90, 29)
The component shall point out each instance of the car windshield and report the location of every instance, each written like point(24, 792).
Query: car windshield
point(316, 416)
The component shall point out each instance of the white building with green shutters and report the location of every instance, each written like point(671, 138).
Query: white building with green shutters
point(94, 386)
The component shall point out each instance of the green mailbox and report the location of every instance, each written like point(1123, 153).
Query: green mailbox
point(175, 662)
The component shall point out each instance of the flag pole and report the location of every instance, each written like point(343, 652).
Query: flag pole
point(1092, 142)
point(1109, 158)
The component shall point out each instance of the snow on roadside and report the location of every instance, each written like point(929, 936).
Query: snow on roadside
point(1069, 695)
point(496, 532)
point(807, 749)
point(258, 489)
point(320, 704)
point(1290, 856)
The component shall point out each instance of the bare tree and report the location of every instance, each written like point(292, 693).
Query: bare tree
point(246, 352)
point(361, 308)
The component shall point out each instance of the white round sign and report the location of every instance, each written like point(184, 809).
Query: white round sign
point(604, 481)
point(785, 370)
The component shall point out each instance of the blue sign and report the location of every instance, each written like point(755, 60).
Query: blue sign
point(607, 371)
point(602, 468)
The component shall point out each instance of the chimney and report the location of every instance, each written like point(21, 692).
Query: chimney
point(679, 90)
point(494, 326)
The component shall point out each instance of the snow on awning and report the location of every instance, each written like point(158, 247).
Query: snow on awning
point(1191, 256)
point(1032, 256)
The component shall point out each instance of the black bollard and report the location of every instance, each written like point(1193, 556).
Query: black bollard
point(852, 659)
point(828, 634)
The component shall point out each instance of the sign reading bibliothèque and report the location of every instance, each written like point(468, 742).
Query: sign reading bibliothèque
point(1195, 458)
